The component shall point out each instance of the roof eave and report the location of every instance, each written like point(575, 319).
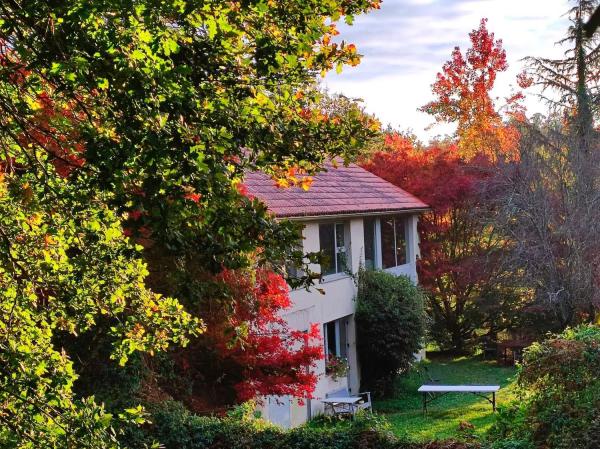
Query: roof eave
point(326, 216)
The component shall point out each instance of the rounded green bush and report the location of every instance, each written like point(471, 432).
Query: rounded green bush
point(390, 326)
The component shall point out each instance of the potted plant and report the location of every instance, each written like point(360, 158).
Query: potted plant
point(336, 367)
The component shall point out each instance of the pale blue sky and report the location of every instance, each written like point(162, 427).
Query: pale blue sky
point(406, 42)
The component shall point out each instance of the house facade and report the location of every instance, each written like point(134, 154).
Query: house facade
point(355, 219)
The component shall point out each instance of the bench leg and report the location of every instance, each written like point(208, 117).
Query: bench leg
point(494, 401)
point(424, 403)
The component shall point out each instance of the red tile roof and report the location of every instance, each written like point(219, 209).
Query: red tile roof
point(336, 191)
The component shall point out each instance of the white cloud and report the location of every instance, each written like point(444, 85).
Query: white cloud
point(406, 42)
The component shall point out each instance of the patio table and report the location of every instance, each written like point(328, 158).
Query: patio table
point(434, 392)
point(343, 405)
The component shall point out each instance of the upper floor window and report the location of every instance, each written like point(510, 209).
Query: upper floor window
point(293, 268)
point(385, 241)
point(332, 240)
point(393, 241)
point(369, 225)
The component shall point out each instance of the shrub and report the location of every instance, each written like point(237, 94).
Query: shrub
point(390, 325)
point(562, 406)
point(176, 428)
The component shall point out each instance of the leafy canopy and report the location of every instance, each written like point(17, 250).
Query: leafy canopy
point(174, 100)
point(463, 96)
point(143, 116)
point(64, 268)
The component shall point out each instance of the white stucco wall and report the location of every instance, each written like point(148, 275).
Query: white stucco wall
point(338, 301)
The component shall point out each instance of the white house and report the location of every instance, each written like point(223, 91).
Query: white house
point(355, 218)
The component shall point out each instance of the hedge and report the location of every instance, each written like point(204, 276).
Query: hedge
point(175, 428)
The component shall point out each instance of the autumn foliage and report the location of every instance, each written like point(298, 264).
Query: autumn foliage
point(254, 352)
point(275, 359)
point(257, 352)
point(463, 96)
point(453, 243)
point(459, 251)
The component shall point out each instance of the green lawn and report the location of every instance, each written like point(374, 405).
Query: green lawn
point(405, 413)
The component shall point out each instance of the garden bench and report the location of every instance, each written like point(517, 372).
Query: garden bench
point(434, 392)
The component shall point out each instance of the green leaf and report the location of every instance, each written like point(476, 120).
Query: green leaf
point(145, 36)
point(137, 55)
point(211, 28)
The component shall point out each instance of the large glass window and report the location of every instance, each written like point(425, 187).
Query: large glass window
point(331, 342)
point(332, 239)
point(400, 245)
point(370, 250)
point(340, 248)
point(393, 241)
point(388, 252)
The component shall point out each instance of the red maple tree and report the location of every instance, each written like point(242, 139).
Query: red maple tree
point(274, 359)
point(463, 96)
point(459, 250)
point(455, 263)
point(248, 348)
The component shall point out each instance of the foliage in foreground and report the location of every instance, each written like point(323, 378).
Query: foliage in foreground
point(178, 429)
point(248, 351)
point(67, 269)
point(563, 407)
point(390, 325)
point(143, 116)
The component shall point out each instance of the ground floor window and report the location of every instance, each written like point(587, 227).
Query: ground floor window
point(335, 338)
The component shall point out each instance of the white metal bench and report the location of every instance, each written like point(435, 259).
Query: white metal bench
point(433, 392)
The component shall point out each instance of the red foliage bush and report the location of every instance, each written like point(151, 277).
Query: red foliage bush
point(274, 359)
point(248, 349)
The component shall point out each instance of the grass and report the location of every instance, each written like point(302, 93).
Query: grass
point(405, 412)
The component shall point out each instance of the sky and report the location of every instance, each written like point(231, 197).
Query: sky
point(406, 42)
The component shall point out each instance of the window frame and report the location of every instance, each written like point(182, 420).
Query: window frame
point(292, 271)
point(378, 241)
point(345, 249)
point(339, 350)
point(374, 257)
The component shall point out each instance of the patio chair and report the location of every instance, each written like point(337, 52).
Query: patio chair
point(426, 376)
point(489, 347)
point(365, 402)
